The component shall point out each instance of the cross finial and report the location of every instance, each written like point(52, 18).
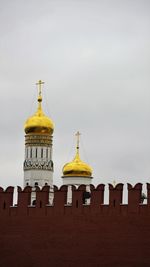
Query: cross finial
point(78, 139)
point(39, 84)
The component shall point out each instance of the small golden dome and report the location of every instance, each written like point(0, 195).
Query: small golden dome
point(39, 122)
point(77, 167)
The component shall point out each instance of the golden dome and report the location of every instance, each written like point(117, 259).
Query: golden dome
point(77, 167)
point(39, 122)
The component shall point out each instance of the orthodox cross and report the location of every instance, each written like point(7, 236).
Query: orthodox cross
point(39, 84)
point(78, 139)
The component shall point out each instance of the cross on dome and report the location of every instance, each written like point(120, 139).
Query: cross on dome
point(77, 167)
point(39, 122)
point(39, 84)
point(78, 139)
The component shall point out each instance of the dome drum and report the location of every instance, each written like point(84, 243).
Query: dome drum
point(38, 139)
point(77, 180)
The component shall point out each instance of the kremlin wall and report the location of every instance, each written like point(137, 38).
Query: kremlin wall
point(69, 226)
point(76, 234)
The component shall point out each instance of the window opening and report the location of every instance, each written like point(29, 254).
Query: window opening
point(41, 152)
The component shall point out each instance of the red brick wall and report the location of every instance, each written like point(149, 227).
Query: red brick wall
point(113, 235)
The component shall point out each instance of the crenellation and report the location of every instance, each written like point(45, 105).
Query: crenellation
point(6, 198)
point(42, 196)
point(48, 200)
point(78, 198)
point(134, 197)
point(24, 199)
point(97, 198)
point(115, 195)
point(60, 199)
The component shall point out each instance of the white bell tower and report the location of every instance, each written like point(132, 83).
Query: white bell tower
point(38, 163)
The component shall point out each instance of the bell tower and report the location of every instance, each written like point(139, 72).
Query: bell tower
point(38, 163)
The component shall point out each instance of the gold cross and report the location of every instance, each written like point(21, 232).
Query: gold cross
point(39, 83)
point(78, 139)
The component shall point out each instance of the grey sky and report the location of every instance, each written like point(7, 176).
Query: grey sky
point(94, 57)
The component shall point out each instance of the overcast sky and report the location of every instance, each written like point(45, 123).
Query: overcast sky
point(94, 57)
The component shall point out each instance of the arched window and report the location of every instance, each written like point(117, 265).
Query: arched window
point(41, 152)
point(31, 153)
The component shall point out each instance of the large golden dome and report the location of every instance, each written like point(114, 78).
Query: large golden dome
point(39, 122)
point(77, 167)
